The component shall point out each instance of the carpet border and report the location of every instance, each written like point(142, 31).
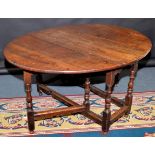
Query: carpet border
point(64, 131)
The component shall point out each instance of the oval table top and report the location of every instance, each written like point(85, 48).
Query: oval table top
point(77, 49)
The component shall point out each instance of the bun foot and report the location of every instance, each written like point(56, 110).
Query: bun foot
point(104, 132)
point(31, 132)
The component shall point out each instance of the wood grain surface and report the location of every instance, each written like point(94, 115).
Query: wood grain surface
point(77, 49)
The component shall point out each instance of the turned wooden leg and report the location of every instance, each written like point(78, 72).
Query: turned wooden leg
point(129, 96)
point(30, 113)
point(87, 94)
point(39, 81)
point(110, 79)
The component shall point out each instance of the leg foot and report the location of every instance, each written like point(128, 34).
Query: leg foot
point(30, 115)
point(106, 121)
point(104, 133)
point(110, 79)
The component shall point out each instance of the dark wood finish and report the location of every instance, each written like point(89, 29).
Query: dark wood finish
point(57, 95)
point(129, 96)
point(102, 94)
point(77, 49)
point(59, 112)
point(30, 112)
point(95, 117)
point(115, 116)
point(110, 80)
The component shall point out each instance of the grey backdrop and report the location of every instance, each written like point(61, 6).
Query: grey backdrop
point(11, 28)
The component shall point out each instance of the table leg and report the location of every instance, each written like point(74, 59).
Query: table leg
point(129, 96)
point(110, 79)
point(30, 112)
point(87, 94)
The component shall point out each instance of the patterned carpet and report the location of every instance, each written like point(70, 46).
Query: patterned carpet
point(13, 116)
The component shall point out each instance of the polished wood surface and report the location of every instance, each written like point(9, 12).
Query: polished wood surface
point(77, 49)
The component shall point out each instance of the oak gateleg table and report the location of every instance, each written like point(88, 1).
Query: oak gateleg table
point(79, 49)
